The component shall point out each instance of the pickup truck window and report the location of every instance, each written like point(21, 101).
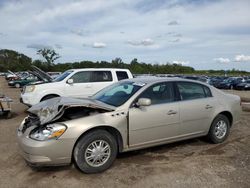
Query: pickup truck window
point(101, 76)
point(63, 76)
point(82, 77)
point(121, 75)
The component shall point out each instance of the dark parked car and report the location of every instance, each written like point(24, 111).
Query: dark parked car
point(215, 81)
point(22, 82)
point(243, 86)
point(230, 83)
point(197, 78)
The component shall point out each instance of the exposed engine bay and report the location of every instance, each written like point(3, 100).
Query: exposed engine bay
point(62, 109)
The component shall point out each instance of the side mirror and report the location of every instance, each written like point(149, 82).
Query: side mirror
point(70, 81)
point(144, 102)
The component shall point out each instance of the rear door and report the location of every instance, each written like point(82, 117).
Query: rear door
point(196, 108)
point(100, 79)
point(157, 122)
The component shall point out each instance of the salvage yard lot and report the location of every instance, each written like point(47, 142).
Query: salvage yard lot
point(192, 163)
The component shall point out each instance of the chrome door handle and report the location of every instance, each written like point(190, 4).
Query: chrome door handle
point(208, 106)
point(171, 112)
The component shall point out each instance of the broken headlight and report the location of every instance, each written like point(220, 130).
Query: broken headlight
point(51, 131)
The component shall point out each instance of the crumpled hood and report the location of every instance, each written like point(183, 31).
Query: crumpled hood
point(52, 109)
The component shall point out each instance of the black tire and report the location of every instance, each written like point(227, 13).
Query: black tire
point(85, 142)
point(8, 115)
point(212, 134)
point(48, 97)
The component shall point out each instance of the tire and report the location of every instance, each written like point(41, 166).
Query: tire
point(8, 115)
point(218, 135)
point(48, 97)
point(83, 148)
point(17, 85)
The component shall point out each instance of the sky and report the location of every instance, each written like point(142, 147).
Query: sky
point(204, 34)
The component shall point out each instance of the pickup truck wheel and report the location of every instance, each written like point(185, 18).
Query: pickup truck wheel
point(8, 115)
point(219, 129)
point(17, 85)
point(95, 152)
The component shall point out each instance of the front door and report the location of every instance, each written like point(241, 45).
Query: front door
point(81, 86)
point(157, 122)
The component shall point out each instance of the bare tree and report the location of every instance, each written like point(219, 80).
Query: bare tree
point(49, 55)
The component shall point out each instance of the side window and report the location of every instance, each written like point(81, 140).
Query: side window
point(207, 91)
point(81, 77)
point(101, 76)
point(159, 93)
point(189, 90)
point(121, 75)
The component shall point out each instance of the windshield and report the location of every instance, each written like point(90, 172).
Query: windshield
point(62, 76)
point(118, 93)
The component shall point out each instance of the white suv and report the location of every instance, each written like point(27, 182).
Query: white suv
point(80, 83)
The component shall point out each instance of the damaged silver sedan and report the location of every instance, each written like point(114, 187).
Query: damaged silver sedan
point(128, 115)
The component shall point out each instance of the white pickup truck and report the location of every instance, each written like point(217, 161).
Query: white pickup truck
point(80, 83)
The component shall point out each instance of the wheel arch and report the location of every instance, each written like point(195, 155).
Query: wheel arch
point(52, 94)
point(113, 131)
point(228, 115)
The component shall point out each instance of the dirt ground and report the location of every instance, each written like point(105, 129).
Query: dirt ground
point(192, 163)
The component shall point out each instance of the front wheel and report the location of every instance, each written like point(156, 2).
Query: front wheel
point(219, 129)
point(17, 85)
point(48, 97)
point(95, 152)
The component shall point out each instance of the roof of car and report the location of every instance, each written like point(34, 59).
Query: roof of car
point(106, 69)
point(153, 79)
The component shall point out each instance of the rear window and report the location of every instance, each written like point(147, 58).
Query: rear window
point(207, 91)
point(189, 90)
point(121, 75)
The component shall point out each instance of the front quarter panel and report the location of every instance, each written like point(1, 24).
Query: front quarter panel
point(115, 119)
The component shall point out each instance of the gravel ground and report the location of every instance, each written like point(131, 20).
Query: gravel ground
point(192, 163)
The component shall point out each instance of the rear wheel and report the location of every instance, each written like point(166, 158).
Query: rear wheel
point(219, 129)
point(95, 152)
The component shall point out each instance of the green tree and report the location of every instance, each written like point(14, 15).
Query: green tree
point(14, 61)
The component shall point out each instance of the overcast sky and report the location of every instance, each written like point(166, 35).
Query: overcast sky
point(204, 34)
